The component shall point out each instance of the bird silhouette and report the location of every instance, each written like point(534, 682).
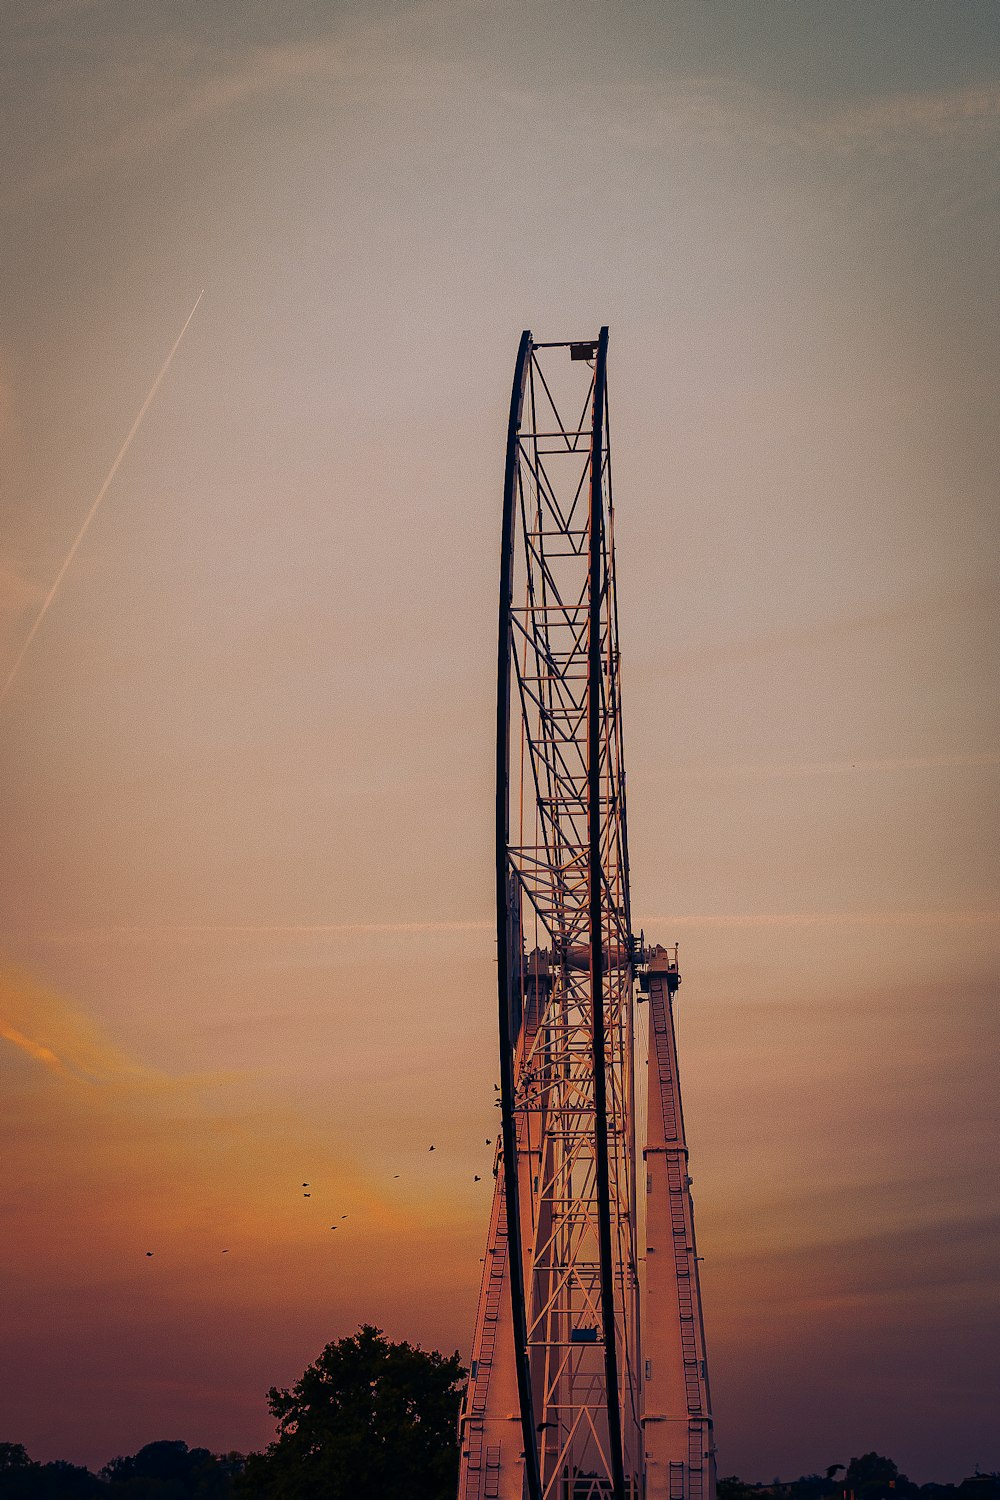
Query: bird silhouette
point(477, 1179)
point(395, 1176)
point(488, 1141)
point(149, 1252)
point(343, 1216)
point(334, 1226)
point(432, 1148)
point(305, 1184)
point(307, 1195)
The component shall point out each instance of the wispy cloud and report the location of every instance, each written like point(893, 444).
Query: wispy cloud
point(985, 759)
point(59, 1036)
point(160, 90)
point(723, 108)
point(57, 10)
point(89, 1090)
point(266, 930)
point(971, 918)
point(34, 1049)
point(902, 118)
point(878, 618)
point(171, 93)
point(174, 86)
point(345, 931)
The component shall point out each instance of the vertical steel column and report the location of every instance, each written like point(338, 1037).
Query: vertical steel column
point(504, 976)
point(595, 722)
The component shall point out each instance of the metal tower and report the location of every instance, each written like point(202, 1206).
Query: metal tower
point(588, 1373)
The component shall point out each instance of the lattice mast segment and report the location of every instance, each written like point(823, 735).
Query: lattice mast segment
point(555, 1406)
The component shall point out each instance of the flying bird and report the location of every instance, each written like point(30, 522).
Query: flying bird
point(307, 1195)
point(488, 1141)
point(477, 1179)
point(305, 1184)
point(149, 1252)
point(432, 1148)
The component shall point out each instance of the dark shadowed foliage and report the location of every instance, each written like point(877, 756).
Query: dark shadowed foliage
point(24, 1480)
point(870, 1477)
point(732, 1488)
point(13, 1458)
point(368, 1420)
point(171, 1471)
point(373, 1419)
point(160, 1471)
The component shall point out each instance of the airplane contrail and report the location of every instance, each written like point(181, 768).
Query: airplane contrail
point(96, 505)
point(268, 930)
point(292, 930)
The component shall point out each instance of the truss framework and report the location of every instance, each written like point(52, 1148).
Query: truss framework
point(562, 884)
point(568, 1398)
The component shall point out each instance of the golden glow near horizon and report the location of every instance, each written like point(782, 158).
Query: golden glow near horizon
point(245, 767)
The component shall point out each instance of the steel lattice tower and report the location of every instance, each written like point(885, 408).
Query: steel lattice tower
point(588, 1377)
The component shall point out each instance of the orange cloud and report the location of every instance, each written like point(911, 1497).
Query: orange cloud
point(130, 1153)
point(53, 1033)
point(109, 1159)
point(34, 1049)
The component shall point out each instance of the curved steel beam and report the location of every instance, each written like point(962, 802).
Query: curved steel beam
point(595, 721)
point(505, 978)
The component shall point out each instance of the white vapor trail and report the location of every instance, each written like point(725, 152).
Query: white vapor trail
point(292, 930)
point(265, 930)
point(96, 505)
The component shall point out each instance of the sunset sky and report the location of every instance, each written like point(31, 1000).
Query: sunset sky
point(245, 764)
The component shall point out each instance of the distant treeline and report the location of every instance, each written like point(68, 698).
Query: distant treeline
point(870, 1477)
point(368, 1421)
point(166, 1471)
point(372, 1420)
point(173, 1471)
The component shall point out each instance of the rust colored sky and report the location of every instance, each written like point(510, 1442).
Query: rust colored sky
point(245, 787)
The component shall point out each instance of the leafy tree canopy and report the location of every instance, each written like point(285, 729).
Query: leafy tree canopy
point(873, 1477)
point(55, 1481)
point(169, 1471)
point(733, 1488)
point(13, 1456)
point(870, 1468)
point(367, 1420)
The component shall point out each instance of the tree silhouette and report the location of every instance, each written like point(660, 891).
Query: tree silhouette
point(21, 1479)
point(873, 1477)
point(368, 1420)
point(169, 1471)
point(731, 1487)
